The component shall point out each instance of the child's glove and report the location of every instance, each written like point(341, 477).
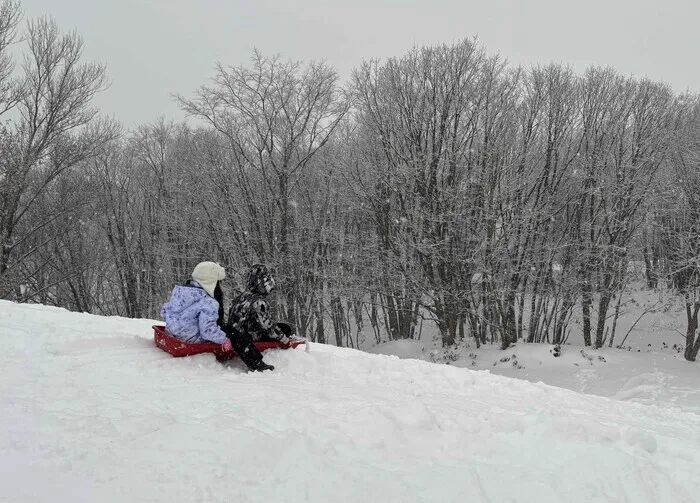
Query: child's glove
point(227, 346)
point(281, 337)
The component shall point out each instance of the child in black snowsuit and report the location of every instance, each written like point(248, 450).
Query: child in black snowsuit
point(250, 320)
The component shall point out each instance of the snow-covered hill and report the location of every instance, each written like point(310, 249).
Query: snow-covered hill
point(649, 369)
point(91, 411)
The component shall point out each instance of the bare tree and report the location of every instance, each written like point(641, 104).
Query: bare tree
point(679, 219)
point(532, 205)
point(624, 140)
point(274, 118)
point(10, 16)
point(56, 129)
point(419, 118)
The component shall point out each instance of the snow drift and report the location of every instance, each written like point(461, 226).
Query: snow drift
point(91, 410)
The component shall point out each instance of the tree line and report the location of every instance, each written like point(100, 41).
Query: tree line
point(443, 186)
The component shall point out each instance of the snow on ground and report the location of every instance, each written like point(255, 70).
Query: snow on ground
point(91, 411)
point(649, 369)
point(650, 376)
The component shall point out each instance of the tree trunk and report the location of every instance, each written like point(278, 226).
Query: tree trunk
point(586, 301)
point(692, 346)
point(651, 274)
point(603, 305)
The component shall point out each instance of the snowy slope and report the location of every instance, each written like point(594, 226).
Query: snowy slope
point(90, 410)
point(649, 369)
point(651, 376)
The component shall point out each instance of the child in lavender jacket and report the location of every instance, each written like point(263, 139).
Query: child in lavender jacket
point(193, 313)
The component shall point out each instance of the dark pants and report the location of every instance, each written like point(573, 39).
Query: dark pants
point(244, 348)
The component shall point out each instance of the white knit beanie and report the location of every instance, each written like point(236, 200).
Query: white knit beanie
point(207, 274)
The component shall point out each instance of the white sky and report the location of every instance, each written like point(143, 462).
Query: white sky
point(153, 48)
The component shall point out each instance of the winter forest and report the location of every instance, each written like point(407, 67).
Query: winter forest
point(441, 187)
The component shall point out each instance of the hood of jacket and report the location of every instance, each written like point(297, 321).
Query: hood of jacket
point(260, 280)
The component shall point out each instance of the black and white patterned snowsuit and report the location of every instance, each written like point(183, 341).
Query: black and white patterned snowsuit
point(250, 319)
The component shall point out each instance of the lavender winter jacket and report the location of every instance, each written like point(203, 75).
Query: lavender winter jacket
point(191, 315)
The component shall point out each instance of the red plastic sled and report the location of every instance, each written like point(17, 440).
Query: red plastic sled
point(178, 348)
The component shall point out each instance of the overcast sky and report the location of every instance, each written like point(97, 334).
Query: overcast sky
point(153, 48)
